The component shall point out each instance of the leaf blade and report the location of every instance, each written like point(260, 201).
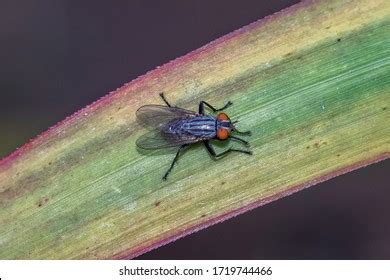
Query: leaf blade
point(316, 106)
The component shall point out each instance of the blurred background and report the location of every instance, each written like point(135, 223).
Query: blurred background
point(57, 56)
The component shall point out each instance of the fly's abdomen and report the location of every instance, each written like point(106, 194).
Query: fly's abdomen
point(199, 128)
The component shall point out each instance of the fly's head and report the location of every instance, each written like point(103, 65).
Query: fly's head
point(225, 127)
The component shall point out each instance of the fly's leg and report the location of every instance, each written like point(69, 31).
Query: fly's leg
point(246, 143)
point(164, 99)
point(203, 103)
point(243, 132)
point(212, 152)
point(174, 160)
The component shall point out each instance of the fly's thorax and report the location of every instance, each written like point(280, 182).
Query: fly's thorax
point(202, 127)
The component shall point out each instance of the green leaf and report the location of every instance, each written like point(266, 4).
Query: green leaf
point(310, 82)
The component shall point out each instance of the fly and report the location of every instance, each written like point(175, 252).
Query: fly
point(176, 127)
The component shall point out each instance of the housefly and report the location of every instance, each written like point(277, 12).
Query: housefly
point(171, 126)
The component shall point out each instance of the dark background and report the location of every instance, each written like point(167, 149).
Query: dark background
point(58, 56)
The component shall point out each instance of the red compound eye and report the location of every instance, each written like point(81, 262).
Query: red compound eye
point(222, 117)
point(223, 133)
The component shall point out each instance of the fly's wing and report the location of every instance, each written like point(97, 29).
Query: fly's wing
point(156, 116)
point(157, 139)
